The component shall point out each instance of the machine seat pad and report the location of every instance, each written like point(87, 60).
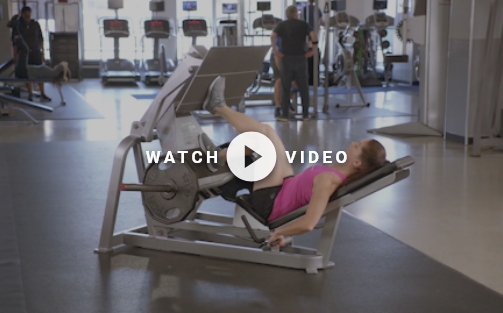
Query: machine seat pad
point(244, 202)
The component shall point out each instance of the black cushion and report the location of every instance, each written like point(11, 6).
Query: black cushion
point(245, 202)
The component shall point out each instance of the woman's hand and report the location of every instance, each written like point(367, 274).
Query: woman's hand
point(276, 240)
point(278, 54)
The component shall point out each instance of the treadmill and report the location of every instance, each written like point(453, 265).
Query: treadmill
point(152, 68)
point(117, 70)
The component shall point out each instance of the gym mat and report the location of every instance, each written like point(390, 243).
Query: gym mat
point(58, 200)
point(76, 107)
point(321, 91)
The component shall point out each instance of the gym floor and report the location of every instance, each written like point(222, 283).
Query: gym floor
point(431, 243)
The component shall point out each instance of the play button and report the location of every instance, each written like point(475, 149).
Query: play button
point(257, 156)
point(261, 146)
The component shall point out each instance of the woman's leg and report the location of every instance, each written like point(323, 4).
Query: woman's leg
point(64, 66)
point(276, 62)
point(277, 93)
point(29, 87)
point(243, 123)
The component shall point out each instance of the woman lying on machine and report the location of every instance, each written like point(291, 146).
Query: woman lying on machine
point(283, 192)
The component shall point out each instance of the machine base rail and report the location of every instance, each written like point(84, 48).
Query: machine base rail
point(293, 257)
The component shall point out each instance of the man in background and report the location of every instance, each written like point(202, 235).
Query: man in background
point(293, 54)
point(28, 48)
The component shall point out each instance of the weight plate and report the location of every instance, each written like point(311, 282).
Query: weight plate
point(170, 207)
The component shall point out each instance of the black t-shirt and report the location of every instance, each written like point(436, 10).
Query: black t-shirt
point(30, 32)
point(293, 33)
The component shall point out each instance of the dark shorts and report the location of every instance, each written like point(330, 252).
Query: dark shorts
point(263, 201)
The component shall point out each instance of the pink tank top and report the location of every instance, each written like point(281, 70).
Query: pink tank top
point(296, 191)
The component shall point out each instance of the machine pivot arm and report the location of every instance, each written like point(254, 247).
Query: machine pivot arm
point(148, 188)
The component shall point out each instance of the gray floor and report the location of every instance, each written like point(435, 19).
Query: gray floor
point(57, 214)
point(53, 179)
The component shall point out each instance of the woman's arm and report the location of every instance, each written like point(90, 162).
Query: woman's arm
point(324, 185)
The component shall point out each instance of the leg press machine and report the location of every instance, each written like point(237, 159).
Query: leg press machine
point(173, 192)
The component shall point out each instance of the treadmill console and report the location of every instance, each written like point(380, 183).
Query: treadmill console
point(157, 29)
point(264, 6)
point(338, 5)
point(156, 6)
point(195, 28)
point(228, 22)
point(189, 5)
point(229, 8)
point(380, 5)
point(116, 28)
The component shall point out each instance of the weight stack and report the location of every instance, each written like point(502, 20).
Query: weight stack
point(66, 47)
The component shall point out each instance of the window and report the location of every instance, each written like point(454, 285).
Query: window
point(260, 36)
point(98, 47)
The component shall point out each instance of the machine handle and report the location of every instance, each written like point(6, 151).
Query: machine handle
point(266, 246)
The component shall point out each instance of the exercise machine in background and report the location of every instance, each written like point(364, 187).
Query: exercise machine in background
point(262, 27)
point(117, 70)
point(405, 72)
point(432, 91)
point(157, 69)
point(380, 24)
point(367, 45)
point(340, 40)
point(227, 28)
point(193, 27)
point(342, 27)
